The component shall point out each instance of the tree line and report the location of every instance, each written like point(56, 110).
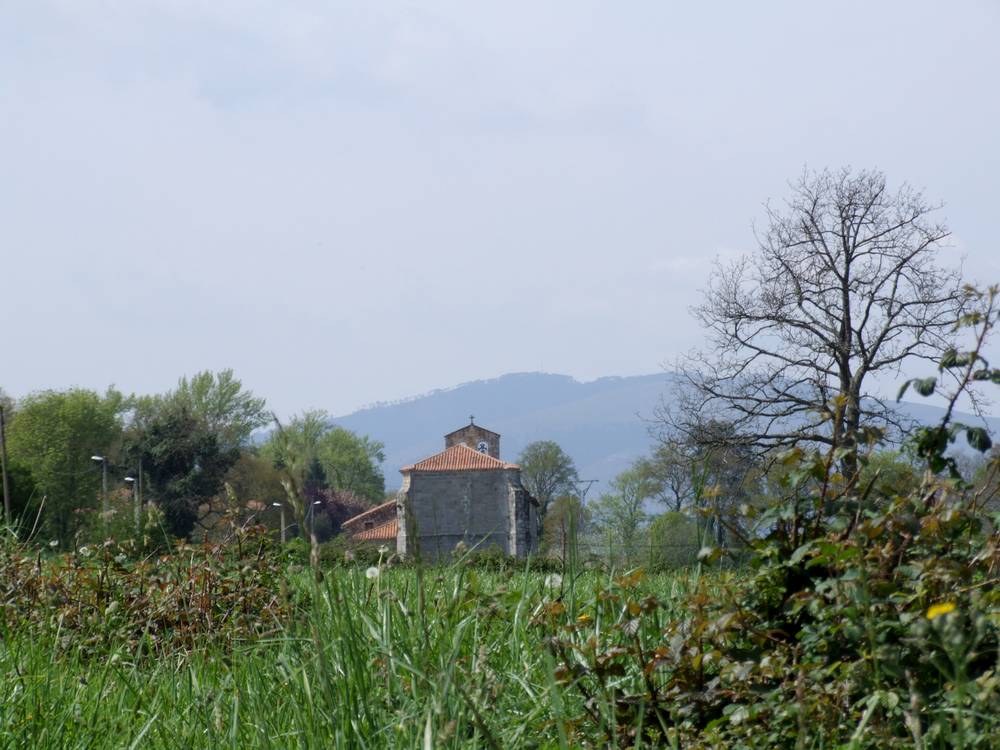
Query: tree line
point(82, 466)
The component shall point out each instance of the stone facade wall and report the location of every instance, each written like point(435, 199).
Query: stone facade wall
point(482, 509)
point(524, 529)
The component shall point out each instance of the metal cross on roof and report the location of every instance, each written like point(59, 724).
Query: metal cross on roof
point(472, 419)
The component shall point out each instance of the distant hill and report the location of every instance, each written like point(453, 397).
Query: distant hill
point(602, 424)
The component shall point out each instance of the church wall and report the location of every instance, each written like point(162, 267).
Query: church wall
point(445, 508)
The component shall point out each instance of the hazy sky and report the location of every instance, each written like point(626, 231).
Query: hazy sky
point(349, 202)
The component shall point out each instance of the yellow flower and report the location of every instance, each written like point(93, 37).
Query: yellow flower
point(584, 618)
point(940, 609)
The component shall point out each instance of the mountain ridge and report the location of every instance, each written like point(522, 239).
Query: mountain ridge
point(603, 424)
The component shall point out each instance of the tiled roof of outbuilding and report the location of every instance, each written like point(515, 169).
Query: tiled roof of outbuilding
point(386, 531)
point(459, 458)
point(368, 514)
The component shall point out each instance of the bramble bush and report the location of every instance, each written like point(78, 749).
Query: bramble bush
point(108, 593)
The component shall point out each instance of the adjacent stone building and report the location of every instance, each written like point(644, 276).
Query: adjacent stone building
point(465, 493)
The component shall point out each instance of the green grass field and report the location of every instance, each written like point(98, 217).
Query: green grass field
point(450, 657)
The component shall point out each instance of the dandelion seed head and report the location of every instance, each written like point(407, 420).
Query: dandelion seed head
point(371, 573)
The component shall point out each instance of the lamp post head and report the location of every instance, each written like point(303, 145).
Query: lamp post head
point(97, 458)
point(129, 479)
point(276, 505)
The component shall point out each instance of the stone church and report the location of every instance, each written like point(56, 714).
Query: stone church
point(465, 493)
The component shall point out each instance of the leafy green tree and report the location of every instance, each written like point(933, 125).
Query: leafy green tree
point(7, 403)
point(546, 471)
point(892, 473)
point(353, 463)
point(53, 435)
point(567, 517)
point(255, 485)
point(6, 413)
point(726, 476)
point(319, 455)
point(620, 514)
point(670, 473)
point(185, 462)
point(218, 400)
point(24, 496)
point(673, 540)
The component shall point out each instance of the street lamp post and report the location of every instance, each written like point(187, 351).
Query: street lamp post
point(312, 517)
point(104, 485)
point(282, 508)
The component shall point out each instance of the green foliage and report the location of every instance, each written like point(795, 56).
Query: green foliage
point(672, 473)
point(566, 521)
point(184, 461)
point(24, 496)
point(220, 400)
point(546, 471)
point(53, 435)
point(217, 400)
point(316, 452)
point(891, 472)
point(353, 463)
point(674, 541)
point(620, 515)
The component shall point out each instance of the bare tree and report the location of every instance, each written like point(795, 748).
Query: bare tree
point(844, 286)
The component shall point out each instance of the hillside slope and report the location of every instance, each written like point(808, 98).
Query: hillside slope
point(603, 424)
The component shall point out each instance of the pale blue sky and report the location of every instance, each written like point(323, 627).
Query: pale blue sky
point(349, 202)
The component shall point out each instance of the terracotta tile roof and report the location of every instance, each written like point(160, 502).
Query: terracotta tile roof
point(386, 532)
point(384, 508)
point(459, 458)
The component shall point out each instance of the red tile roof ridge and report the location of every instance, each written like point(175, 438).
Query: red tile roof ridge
point(459, 458)
point(370, 511)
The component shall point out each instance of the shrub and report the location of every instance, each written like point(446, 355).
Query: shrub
point(110, 593)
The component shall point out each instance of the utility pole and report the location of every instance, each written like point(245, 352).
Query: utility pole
point(136, 483)
point(3, 468)
point(138, 488)
point(587, 484)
